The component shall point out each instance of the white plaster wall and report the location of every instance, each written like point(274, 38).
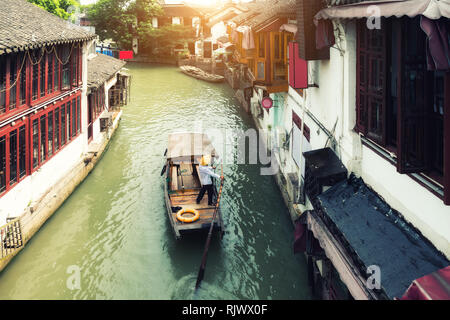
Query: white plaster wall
point(418, 205)
point(33, 187)
point(336, 99)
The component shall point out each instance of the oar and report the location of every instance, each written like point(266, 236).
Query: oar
point(201, 271)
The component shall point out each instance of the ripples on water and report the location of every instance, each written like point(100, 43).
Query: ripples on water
point(115, 228)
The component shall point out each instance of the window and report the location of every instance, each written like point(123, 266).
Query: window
point(42, 70)
point(78, 115)
point(260, 71)
point(50, 133)
point(56, 140)
point(251, 67)
point(35, 74)
point(13, 70)
point(80, 68)
point(68, 118)
point(297, 143)
point(65, 74)
point(43, 139)
point(22, 152)
point(400, 104)
point(74, 118)
point(63, 124)
point(74, 63)
point(2, 163)
point(35, 138)
point(56, 74)
point(51, 130)
point(261, 45)
point(276, 45)
point(372, 44)
point(23, 79)
point(2, 84)
point(50, 65)
point(13, 156)
point(12, 82)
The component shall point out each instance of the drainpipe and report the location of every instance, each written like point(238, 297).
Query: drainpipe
point(300, 176)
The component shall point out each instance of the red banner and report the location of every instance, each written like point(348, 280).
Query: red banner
point(126, 55)
point(298, 68)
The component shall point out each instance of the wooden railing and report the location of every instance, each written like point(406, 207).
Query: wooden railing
point(10, 237)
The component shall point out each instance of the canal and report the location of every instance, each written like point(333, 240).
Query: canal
point(114, 229)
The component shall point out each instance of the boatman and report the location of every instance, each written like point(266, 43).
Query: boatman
point(206, 172)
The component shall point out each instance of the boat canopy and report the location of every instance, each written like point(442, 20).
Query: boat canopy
point(187, 144)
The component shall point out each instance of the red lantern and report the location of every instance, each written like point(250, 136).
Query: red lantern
point(267, 103)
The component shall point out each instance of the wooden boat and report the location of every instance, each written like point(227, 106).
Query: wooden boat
point(200, 74)
point(182, 182)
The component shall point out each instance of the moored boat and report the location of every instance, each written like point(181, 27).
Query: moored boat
point(200, 74)
point(182, 184)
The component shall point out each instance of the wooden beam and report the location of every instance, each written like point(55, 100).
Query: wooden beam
point(348, 272)
point(447, 139)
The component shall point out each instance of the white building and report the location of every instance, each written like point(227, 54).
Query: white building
point(47, 124)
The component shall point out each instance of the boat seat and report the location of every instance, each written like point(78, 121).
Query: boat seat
point(186, 169)
point(174, 179)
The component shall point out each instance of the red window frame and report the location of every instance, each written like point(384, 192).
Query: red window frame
point(6, 133)
point(8, 111)
point(68, 138)
point(298, 122)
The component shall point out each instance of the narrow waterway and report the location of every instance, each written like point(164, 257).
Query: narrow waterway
point(114, 228)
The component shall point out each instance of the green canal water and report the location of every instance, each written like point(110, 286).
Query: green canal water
point(114, 228)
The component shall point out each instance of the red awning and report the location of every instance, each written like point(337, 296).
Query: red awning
point(432, 9)
point(434, 286)
point(438, 52)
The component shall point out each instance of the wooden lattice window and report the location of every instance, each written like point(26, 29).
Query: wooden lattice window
point(400, 104)
point(371, 81)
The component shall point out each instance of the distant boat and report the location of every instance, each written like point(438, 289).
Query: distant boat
point(182, 184)
point(200, 74)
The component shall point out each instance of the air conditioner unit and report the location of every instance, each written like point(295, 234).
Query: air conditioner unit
point(105, 122)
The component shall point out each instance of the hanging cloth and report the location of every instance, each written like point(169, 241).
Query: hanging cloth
point(438, 57)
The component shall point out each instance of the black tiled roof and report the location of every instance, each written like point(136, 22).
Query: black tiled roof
point(254, 9)
point(24, 25)
point(379, 236)
point(261, 12)
point(180, 10)
point(101, 68)
point(281, 8)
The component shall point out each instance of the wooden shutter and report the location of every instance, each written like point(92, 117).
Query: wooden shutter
point(371, 81)
point(306, 34)
point(416, 96)
point(447, 140)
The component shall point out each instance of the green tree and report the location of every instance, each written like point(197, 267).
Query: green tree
point(119, 19)
point(58, 7)
point(163, 38)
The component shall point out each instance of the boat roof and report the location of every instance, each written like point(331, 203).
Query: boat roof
point(186, 144)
